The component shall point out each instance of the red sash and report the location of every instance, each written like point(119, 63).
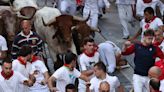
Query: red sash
point(148, 22)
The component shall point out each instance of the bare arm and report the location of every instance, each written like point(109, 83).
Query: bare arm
point(46, 77)
point(50, 84)
point(87, 72)
point(121, 88)
point(30, 82)
point(3, 54)
point(84, 77)
point(136, 35)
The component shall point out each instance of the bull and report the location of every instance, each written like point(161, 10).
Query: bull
point(56, 30)
point(24, 8)
point(8, 22)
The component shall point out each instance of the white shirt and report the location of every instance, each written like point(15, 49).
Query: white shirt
point(64, 76)
point(87, 63)
point(112, 80)
point(161, 46)
point(153, 25)
point(24, 70)
point(38, 69)
point(125, 1)
point(140, 6)
point(3, 45)
point(161, 86)
point(11, 85)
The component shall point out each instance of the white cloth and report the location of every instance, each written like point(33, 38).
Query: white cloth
point(112, 80)
point(161, 46)
point(108, 51)
point(38, 69)
point(153, 25)
point(11, 85)
point(64, 76)
point(103, 4)
point(3, 45)
point(161, 88)
point(86, 63)
point(141, 83)
point(91, 7)
point(68, 7)
point(24, 70)
point(140, 6)
point(125, 14)
point(125, 1)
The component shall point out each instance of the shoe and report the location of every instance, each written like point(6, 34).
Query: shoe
point(125, 37)
point(132, 23)
point(103, 10)
point(100, 16)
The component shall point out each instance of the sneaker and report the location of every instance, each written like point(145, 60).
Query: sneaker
point(103, 10)
point(100, 16)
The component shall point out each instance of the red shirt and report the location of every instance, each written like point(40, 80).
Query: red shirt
point(160, 64)
point(131, 49)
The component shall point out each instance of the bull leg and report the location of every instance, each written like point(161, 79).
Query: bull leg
point(51, 60)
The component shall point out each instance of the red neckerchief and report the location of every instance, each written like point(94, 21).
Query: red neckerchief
point(89, 54)
point(148, 22)
point(147, 1)
point(34, 58)
point(157, 43)
point(67, 66)
point(22, 61)
point(7, 76)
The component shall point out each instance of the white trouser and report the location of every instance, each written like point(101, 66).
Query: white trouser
point(67, 7)
point(125, 15)
point(141, 83)
point(40, 90)
point(93, 20)
point(107, 56)
point(101, 5)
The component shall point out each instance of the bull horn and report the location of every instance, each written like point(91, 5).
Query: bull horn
point(24, 17)
point(12, 7)
point(95, 29)
point(49, 23)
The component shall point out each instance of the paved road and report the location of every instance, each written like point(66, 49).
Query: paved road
point(111, 30)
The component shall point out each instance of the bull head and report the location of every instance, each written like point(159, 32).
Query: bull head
point(9, 20)
point(63, 24)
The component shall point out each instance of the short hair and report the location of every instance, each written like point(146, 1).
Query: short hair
point(69, 56)
point(69, 86)
point(149, 32)
point(7, 60)
point(154, 83)
point(101, 66)
point(149, 10)
point(87, 39)
point(25, 50)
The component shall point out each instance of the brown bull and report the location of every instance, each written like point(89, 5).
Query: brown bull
point(81, 31)
point(63, 26)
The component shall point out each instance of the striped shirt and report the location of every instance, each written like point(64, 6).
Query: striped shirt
point(32, 40)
